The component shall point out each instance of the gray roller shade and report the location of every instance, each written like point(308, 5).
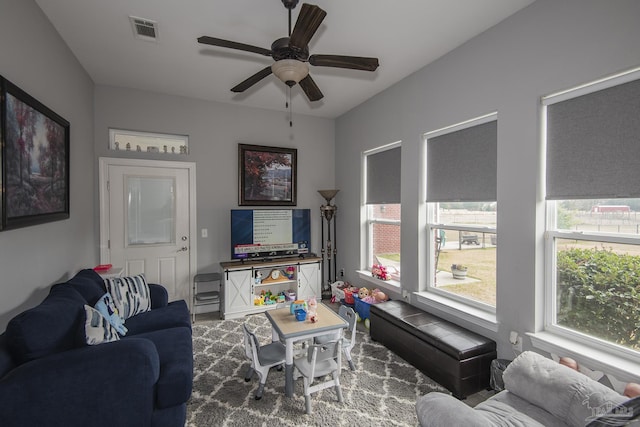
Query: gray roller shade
point(462, 165)
point(593, 145)
point(383, 177)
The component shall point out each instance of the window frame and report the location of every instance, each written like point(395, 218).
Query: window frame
point(550, 282)
point(453, 301)
point(603, 354)
point(366, 255)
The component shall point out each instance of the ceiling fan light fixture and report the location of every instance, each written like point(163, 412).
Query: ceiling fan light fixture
point(290, 71)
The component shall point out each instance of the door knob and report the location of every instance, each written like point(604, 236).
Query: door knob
point(184, 238)
point(183, 249)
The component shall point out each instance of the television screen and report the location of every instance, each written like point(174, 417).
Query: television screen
point(266, 233)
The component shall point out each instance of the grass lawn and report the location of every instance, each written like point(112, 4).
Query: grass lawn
point(482, 266)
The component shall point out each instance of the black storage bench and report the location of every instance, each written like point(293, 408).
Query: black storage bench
point(455, 357)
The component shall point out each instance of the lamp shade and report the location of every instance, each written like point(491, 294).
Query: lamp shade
point(290, 71)
point(328, 194)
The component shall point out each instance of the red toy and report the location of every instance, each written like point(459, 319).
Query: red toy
point(379, 272)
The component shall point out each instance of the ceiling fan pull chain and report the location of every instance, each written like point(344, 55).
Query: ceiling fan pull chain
point(290, 102)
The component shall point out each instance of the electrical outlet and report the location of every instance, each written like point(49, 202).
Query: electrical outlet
point(517, 345)
point(342, 272)
point(205, 233)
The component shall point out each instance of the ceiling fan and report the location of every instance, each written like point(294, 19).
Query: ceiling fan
point(291, 54)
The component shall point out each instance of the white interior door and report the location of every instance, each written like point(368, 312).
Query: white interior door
point(148, 221)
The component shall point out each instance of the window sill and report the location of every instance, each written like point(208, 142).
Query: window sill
point(460, 310)
point(621, 368)
point(389, 285)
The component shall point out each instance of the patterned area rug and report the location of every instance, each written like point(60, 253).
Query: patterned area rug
point(381, 392)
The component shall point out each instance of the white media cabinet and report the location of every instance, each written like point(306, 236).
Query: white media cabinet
point(243, 282)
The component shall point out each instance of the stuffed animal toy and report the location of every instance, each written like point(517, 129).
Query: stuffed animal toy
point(363, 293)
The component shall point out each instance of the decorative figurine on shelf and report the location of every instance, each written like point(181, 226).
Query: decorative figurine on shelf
point(258, 278)
point(379, 271)
point(258, 300)
point(290, 272)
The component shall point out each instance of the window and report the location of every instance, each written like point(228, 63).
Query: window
point(383, 212)
point(462, 209)
point(592, 248)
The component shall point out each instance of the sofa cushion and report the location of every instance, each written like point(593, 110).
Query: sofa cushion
point(130, 294)
point(89, 284)
point(568, 395)
point(97, 328)
point(175, 314)
point(507, 409)
point(175, 352)
point(6, 361)
point(50, 327)
point(107, 308)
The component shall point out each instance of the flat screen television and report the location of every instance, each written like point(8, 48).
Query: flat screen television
point(269, 233)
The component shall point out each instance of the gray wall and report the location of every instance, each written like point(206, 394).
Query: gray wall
point(36, 59)
point(550, 45)
point(214, 131)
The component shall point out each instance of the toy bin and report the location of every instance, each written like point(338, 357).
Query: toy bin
point(348, 296)
point(336, 291)
point(362, 309)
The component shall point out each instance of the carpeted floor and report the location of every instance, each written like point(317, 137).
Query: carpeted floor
point(381, 392)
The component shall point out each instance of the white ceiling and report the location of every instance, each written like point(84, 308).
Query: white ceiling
point(405, 35)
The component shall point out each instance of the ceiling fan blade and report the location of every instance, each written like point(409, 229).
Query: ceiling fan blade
point(339, 61)
point(311, 89)
point(233, 45)
point(309, 20)
point(252, 80)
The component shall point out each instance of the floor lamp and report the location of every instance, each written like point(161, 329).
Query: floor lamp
point(329, 249)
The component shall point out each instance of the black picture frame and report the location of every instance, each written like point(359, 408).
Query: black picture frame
point(267, 175)
point(35, 160)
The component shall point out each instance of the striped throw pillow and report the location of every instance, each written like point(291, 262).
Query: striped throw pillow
point(130, 294)
point(97, 329)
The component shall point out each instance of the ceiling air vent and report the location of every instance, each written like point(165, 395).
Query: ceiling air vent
point(144, 29)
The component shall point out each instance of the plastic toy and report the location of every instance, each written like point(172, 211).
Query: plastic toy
point(313, 309)
point(298, 305)
point(258, 278)
point(363, 293)
point(379, 271)
point(290, 272)
point(379, 295)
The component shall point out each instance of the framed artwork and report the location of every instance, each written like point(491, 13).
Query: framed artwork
point(267, 175)
point(35, 160)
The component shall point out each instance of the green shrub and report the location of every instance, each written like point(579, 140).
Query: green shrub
point(599, 294)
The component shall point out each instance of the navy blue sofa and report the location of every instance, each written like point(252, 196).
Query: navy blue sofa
point(49, 376)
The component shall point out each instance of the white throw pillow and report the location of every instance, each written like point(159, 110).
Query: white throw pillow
point(130, 295)
point(97, 329)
